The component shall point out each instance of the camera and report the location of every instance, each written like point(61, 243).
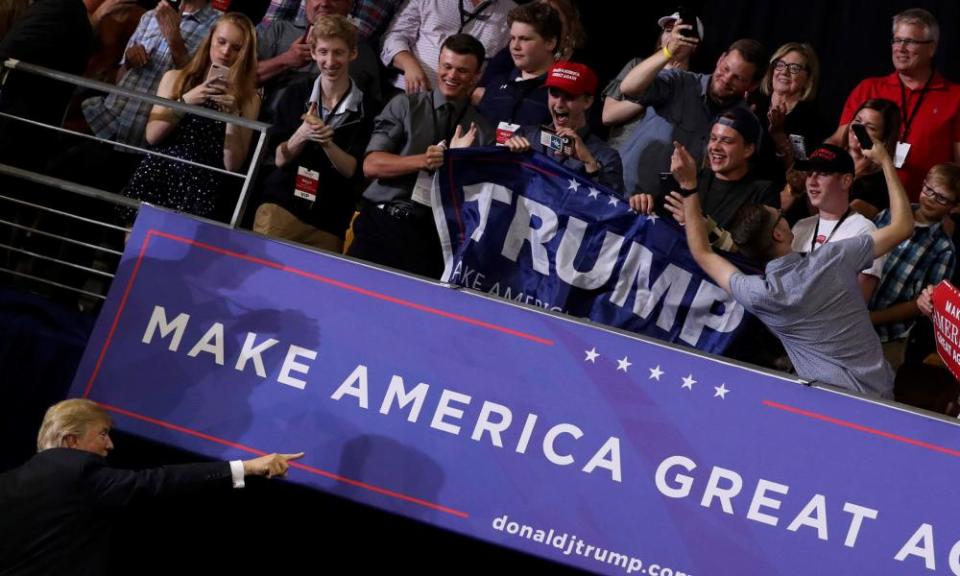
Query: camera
point(551, 140)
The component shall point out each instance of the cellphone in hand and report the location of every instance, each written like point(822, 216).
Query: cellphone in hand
point(218, 73)
point(860, 131)
point(688, 16)
point(668, 184)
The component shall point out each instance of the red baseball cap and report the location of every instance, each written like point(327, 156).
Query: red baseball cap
point(573, 78)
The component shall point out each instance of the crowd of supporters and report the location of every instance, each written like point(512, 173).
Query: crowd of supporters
point(364, 97)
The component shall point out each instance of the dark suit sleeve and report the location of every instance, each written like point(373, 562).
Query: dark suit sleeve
point(111, 487)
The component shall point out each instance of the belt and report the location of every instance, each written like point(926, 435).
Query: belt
point(404, 210)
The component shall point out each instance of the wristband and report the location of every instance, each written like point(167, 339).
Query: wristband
point(666, 52)
point(687, 193)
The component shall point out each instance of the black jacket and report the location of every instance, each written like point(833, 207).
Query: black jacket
point(336, 196)
point(56, 510)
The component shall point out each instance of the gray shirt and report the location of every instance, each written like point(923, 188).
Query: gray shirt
point(407, 126)
point(619, 133)
point(684, 112)
point(814, 305)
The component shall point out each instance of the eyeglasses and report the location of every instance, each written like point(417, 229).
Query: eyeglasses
point(938, 197)
point(792, 69)
point(777, 221)
point(908, 42)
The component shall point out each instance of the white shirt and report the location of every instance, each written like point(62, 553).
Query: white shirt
point(854, 225)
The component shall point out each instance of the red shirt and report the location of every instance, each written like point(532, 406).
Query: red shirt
point(935, 128)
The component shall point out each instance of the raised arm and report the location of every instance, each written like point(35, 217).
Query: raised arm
point(901, 216)
point(636, 82)
point(717, 267)
point(617, 112)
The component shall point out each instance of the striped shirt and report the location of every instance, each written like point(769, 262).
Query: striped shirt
point(421, 26)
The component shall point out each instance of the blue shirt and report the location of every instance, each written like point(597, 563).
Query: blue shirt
point(507, 98)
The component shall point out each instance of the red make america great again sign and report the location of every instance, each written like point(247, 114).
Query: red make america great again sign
point(946, 322)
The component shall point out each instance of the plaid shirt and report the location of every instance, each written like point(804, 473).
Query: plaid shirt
point(926, 258)
point(124, 119)
point(372, 16)
point(283, 10)
point(369, 16)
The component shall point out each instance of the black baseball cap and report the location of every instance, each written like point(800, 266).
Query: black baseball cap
point(827, 158)
point(743, 121)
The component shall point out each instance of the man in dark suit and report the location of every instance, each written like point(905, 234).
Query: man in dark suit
point(56, 510)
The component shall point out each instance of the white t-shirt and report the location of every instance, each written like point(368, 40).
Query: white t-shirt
point(853, 225)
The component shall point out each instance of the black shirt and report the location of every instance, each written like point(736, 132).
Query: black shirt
point(722, 198)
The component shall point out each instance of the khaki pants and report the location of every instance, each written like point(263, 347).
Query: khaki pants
point(277, 222)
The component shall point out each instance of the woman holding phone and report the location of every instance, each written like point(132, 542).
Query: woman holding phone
point(880, 119)
point(221, 75)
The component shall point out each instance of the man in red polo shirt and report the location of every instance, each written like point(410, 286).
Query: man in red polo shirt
point(929, 103)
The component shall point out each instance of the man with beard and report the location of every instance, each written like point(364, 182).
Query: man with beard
point(688, 102)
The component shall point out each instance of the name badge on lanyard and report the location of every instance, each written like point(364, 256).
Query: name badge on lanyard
point(505, 131)
point(307, 184)
point(906, 120)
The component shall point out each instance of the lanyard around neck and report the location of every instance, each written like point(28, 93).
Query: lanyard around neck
point(813, 241)
point(468, 17)
point(907, 119)
point(337, 106)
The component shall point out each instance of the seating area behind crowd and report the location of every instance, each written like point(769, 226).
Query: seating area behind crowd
point(363, 98)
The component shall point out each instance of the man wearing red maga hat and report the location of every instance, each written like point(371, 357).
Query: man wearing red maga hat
point(568, 139)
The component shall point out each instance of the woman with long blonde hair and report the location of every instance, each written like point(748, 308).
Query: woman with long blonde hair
point(221, 75)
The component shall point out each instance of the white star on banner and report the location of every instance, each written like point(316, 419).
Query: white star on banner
point(613, 201)
point(594, 193)
point(574, 185)
point(591, 355)
point(688, 382)
point(721, 391)
point(655, 373)
point(653, 219)
point(624, 364)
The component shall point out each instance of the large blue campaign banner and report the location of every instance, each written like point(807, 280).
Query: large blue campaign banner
point(575, 442)
point(525, 228)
